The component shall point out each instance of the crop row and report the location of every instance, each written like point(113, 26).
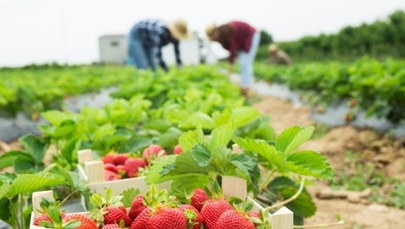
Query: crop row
point(375, 86)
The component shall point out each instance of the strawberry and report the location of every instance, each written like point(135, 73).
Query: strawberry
point(142, 220)
point(114, 215)
point(177, 149)
point(108, 175)
point(109, 158)
point(120, 159)
point(111, 226)
point(254, 214)
point(132, 166)
point(165, 218)
point(232, 219)
point(111, 167)
point(212, 210)
point(85, 223)
point(137, 207)
point(197, 220)
point(153, 151)
point(198, 198)
point(123, 209)
point(41, 218)
point(45, 217)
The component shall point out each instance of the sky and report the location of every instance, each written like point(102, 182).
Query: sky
point(67, 31)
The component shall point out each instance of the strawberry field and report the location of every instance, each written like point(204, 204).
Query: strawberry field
point(183, 149)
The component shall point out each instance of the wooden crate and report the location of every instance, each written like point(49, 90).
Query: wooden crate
point(92, 171)
point(232, 187)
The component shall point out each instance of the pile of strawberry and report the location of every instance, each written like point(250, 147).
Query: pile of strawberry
point(201, 212)
point(119, 166)
point(158, 211)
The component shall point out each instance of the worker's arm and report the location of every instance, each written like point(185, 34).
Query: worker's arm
point(176, 45)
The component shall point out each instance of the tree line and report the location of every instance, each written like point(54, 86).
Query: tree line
point(382, 38)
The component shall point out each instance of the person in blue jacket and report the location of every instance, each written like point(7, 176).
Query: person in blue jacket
point(147, 37)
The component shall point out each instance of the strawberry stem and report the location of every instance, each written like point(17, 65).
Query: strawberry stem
point(295, 196)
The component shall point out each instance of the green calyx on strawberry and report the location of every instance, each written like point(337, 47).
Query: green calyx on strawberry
point(107, 209)
point(52, 217)
point(194, 218)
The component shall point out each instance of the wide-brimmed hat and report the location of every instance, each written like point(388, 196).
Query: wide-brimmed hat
point(210, 30)
point(273, 47)
point(178, 29)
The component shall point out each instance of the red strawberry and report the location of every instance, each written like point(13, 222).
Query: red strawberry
point(198, 198)
point(177, 149)
point(123, 209)
point(254, 214)
point(132, 166)
point(120, 159)
point(114, 215)
point(142, 220)
point(41, 218)
point(165, 218)
point(108, 175)
point(86, 223)
point(198, 220)
point(110, 167)
point(212, 210)
point(121, 170)
point(232, 219)
point(137, 207)
point(153, 150)
point(111, 226)
point(109, 158)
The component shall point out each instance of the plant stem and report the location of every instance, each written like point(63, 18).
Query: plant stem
point(295, 196)
point(21, 210)
point(266, 181)
point(67, 197)
point(341, 222)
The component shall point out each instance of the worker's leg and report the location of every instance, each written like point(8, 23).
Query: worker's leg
point(150, 57)
point(246, 63)
point(136, 50)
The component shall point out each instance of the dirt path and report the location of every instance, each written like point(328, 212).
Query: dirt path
point(388, 156)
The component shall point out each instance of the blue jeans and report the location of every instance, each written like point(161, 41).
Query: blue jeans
point(246, 60)
point(141, 55)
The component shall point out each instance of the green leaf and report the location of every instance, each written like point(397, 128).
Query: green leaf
point(34, 146)
point(70, 149)
point(11, 156)
point(56, 117)
point(5, 207)
point(248, 167)
point(187, 183)
point(243, 115)
point(221, 135)
point(128, 196)
point(185, 164)
point(265, 150)
point(170, 138)
point(4, 189)
point(26, 183)
point(293, 137)
point(310, 163)
point(24, 165)
point(153, 174)
point(201, 154)
point(302, 206)
point(190, 138)
point(198, 119)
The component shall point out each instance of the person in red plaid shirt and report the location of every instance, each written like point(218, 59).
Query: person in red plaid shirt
point(242, 40)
